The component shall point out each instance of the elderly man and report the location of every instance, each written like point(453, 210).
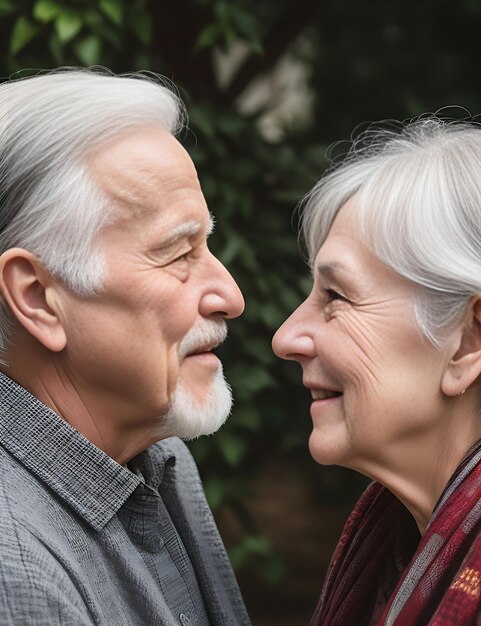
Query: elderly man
point(111, 306)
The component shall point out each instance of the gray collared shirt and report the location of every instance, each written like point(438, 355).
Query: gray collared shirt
point(86, 541)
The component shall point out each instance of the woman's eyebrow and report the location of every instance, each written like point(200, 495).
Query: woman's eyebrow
point(332, 270)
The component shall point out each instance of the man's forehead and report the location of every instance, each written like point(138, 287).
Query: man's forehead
point(142, 165)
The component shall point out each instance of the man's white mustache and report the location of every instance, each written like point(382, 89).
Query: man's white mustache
point(208, 333)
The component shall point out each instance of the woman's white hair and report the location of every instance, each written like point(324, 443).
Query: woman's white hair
point(417, 193)
point(49, 123)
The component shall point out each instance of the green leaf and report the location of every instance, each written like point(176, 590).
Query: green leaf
point(88, 50)
point(230, 36)
point(257, 544)
point(255, 45)
point(253, 545)
point(56, 48)
point(230, 125)
point(260, 350)
point(202, 118)
point(273, 569)
point(248, 259)
point(207, 37)
point(223, 11)
point(249, 380)
point(305, 283)
point(7, 7)
point(246, 169)
point(201, 448)
point(67, 25)
point(215, 490)
point(248, 417)
point(271, 315)
point(473, 6)
point(93, 19)
point(247, 27)
point(144, 60)
point(290, 299)
point(23, 32)
point(113, 10)
point(142, 26)
point(233, 246)
point(237, 556)
point(232, 448)
point(45, 10)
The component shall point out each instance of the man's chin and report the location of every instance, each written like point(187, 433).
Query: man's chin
point(190, 418)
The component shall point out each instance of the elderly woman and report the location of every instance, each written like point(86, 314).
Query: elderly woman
point(389, 341)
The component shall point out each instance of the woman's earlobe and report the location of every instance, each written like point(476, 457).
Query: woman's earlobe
point(465, 366)
point(459, 374)
point(24, 285)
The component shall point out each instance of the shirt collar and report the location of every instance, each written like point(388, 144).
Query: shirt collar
point(90, 481)
point(151, 465)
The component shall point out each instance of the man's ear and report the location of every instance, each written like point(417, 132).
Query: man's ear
point(29, 291)
point(465, 365)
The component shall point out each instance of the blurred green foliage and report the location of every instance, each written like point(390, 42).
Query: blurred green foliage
point(362, 61)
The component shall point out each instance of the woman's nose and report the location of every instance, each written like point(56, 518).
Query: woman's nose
point(293, 341)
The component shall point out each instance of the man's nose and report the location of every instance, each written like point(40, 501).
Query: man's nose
point(224, 297)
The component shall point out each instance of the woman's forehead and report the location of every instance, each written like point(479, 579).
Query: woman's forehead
point(345, 257)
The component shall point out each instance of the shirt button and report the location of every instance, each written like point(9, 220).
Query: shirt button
point(184, 620)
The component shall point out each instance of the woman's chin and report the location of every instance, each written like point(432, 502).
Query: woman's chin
point(326, 450)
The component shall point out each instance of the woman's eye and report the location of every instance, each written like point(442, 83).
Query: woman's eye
point(332, 295)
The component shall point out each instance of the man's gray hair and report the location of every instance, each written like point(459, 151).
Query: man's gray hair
point(49, 124)
point(417, 193)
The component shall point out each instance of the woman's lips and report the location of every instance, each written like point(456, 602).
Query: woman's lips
point(319, 405)
point(324, 394)
point(323, 398)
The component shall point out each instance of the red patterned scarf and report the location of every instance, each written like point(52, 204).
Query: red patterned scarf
point(384, 574)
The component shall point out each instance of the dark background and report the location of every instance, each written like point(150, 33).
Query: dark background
point(279, 512)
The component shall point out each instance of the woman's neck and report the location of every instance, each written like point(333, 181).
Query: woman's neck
point(417, 472)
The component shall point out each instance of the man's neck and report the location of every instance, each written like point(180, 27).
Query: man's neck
point(44, 376)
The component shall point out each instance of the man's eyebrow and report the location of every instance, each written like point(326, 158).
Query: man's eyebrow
point(210, 225)
point(187, 229)
point(183, 230)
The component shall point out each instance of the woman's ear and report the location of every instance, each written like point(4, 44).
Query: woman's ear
point(29, 291)
point(465, 365)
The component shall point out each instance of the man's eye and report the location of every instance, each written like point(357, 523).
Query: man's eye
point(182, 257)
